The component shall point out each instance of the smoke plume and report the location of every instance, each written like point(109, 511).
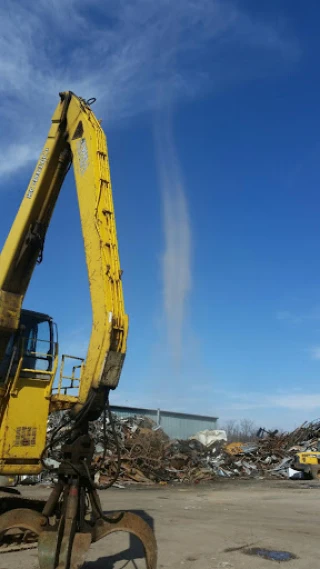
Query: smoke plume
point(176, 258)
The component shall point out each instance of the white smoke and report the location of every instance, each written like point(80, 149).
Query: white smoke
point(176, 259)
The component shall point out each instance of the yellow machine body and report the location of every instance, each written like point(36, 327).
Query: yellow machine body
point(28, 362)
point(308, 458)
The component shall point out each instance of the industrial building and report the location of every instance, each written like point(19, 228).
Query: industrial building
point(176, 425)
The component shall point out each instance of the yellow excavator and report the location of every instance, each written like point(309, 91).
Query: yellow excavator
point(72, 517)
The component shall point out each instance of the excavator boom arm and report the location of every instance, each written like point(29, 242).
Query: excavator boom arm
point(75, 137)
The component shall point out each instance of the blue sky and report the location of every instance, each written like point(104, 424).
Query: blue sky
point(211, 110)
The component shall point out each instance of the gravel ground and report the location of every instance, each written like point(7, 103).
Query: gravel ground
point(207, 526)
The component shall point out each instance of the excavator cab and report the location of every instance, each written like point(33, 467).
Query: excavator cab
point(35, 345)
point(27, 373)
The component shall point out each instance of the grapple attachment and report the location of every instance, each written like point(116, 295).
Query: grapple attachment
point(72, 517)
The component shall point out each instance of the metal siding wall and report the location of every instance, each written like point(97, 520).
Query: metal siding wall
point(184, 427)
point(176, 427)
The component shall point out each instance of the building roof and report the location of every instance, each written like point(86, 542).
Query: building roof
point(169, 413)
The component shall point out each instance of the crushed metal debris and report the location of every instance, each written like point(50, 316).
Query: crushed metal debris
point(148, 456)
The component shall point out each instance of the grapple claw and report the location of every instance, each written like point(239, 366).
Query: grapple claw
point(48, 548)
point(47, 545)
point(129, 522)
point(81, 544)
point(22, 518)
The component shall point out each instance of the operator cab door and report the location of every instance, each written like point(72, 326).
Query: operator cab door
point(36, 343)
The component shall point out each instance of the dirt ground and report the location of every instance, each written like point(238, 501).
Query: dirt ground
point(207, 526)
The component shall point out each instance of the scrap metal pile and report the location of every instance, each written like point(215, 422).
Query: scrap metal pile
point(148, 456)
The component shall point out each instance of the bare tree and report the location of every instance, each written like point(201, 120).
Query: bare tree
point(231, 429)
point(243, 431)
point(248, 429)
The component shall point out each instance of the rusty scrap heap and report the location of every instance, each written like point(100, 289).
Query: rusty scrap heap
point(148, 456)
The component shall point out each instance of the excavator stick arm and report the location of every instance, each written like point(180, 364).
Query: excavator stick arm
point(75, 136)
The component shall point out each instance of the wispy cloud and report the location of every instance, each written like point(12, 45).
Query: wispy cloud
point(121, 52)
point(315, 352)
point(285, 401)
point(303, 401)
point(296, 317)
point(288, 316)
point(309, 317)
point(286, 410)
